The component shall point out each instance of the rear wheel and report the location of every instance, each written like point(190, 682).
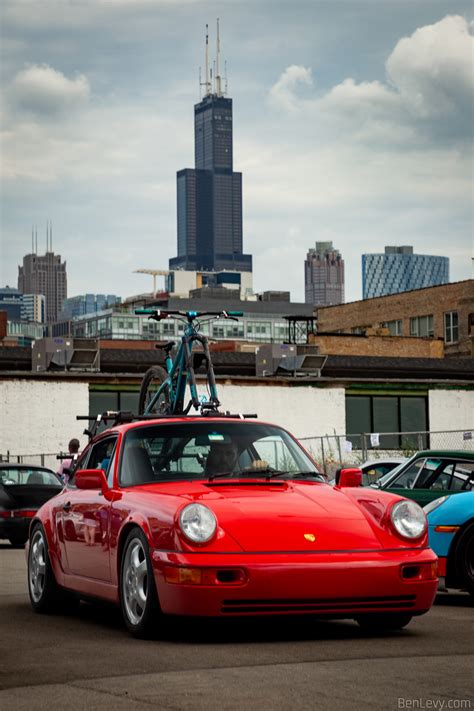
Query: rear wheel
point(384, 623)
point(465, 559)
point(45, 593)
point(152, 381)
point(138, 596)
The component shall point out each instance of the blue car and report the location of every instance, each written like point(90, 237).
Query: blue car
point(451, 536)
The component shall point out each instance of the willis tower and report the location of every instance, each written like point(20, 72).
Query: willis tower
point(210, 195)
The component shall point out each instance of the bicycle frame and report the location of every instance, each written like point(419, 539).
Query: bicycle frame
point(181, 369)
point(181, 372)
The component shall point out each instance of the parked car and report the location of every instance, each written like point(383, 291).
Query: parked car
point(373, 469)
point(215, 516)
point(23, 489)
point(431, 473)
point(451, 536)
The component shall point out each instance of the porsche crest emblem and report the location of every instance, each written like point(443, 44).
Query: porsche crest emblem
point(310, 537)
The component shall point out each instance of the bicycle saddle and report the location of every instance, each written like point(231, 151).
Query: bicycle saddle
point(167, 347)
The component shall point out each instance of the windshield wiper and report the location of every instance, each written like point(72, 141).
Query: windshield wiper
point(270, 473)
point(220, 475)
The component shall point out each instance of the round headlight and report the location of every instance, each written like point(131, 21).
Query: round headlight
point(198, 523)
point(408, 519)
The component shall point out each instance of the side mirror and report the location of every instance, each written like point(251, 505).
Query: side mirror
point(91, 479)
point(348, 477)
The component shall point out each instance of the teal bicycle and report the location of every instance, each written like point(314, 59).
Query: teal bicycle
point(163, 392)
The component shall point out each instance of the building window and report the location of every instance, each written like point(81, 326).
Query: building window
point(451, 327)
point(395, 327)
point(422, 326)
point(397, 420)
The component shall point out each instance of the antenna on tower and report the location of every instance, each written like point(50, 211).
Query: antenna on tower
point(226, 87)
point(32, 240)
point(200, 84)
point(51, 235)
point(36, 239)
point(218, 56)
point(213, 76)
point(207, 83)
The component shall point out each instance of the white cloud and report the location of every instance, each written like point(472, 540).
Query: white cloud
point(430, 83)
point(284, 93)
point(41, 89)
point(433, 69)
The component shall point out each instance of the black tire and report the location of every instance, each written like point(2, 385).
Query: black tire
point(384, 622)
point(45, 594)
point(138, 597)
point(464, 559)
point(152, 380)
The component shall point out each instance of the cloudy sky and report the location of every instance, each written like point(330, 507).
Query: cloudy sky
point(353, 122)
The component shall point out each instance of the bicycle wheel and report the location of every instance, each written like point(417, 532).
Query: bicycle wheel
point(152, 381)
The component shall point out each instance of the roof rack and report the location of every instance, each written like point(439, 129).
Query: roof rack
point(111, 418)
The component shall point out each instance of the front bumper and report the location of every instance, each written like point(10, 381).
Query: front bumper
point(339, 584)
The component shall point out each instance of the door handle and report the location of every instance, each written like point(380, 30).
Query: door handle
point(67, 506)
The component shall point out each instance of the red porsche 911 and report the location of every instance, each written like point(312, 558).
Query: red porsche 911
point(218, 516)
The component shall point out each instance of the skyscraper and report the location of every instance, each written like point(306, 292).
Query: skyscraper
point(210, 194)
point(45, 275)
point(398, 270)
point(324, 275)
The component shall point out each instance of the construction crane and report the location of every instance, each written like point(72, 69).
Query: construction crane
point(154, 273)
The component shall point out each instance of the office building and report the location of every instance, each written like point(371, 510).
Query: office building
point(324, 275)
point(399, 270)
point(209, 196)
point(45, 275)
point(87, 304)
point(33, 308)
point(11, 302)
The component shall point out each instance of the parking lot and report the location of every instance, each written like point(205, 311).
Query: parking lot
point(86, 660)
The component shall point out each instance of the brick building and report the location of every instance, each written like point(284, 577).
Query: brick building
point(439, 312)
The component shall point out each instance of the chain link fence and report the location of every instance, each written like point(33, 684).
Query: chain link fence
point(331, 451)
point(334, 451)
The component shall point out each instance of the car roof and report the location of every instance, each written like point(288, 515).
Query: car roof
point(446, 453)
point(15, 465)
point(125, 427)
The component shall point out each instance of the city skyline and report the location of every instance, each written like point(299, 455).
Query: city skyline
point(337, 136)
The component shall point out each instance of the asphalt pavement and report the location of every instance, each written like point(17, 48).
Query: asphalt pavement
point(87, 660)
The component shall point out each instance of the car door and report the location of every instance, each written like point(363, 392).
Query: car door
point(86, 519)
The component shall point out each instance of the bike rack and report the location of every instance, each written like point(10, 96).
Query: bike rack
point(122, 417)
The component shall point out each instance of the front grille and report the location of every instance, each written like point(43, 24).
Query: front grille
point(349, 604)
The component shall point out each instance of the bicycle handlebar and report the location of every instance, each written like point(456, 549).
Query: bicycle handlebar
point(158, 314)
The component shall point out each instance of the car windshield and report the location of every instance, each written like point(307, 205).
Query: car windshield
point(170, 452)
point(28, 477)
point(390, 475)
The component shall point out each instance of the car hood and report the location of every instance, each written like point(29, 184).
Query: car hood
point(289, 516)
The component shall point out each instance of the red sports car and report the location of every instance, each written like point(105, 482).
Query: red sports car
point(214, 516)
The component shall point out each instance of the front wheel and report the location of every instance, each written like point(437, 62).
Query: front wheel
point(152, 381)
point(465, 559)
point(384, 623)
point(138, 596)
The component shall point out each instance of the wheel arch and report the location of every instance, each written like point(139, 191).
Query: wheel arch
point(129, 525)
point(451, 571)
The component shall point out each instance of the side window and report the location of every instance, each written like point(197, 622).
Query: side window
point(407, 478)
point(436, 475)
point(101, 454)
point(463, 479)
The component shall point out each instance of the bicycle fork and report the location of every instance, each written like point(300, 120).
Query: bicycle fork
point(213, 402)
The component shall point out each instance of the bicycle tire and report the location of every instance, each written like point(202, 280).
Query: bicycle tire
point(153, 378)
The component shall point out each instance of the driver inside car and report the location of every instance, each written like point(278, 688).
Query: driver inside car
point(222, 459)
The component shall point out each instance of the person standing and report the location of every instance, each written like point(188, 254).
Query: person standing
point(66, 464)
